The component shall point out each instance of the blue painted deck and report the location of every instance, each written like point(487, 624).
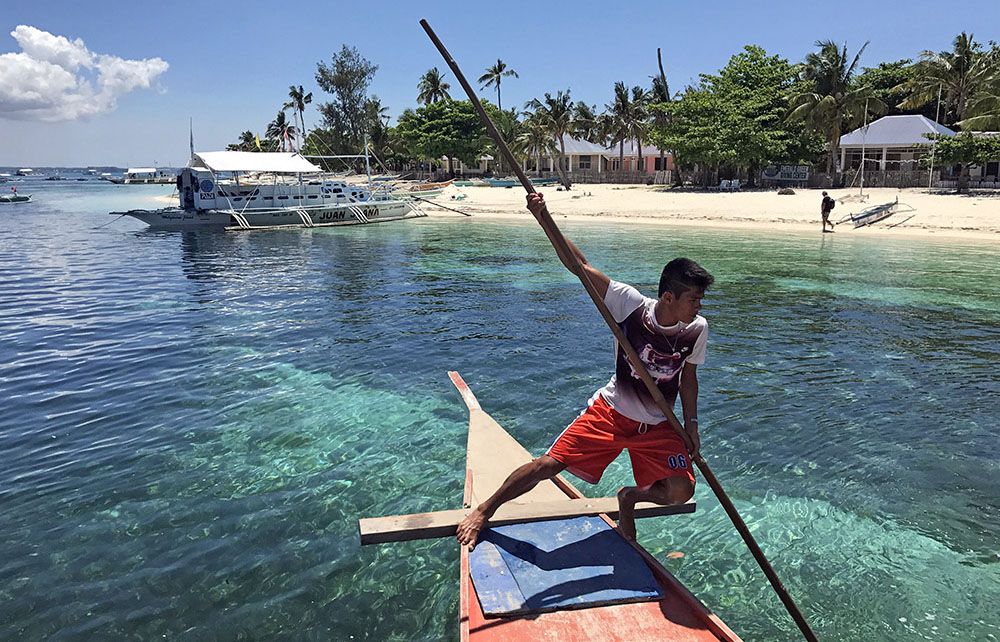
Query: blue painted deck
point(556, 565)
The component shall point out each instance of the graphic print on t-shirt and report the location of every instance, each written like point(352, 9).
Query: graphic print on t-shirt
point(662, 354)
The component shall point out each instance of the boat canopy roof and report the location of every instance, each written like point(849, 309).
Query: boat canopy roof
point(280, 162)
point(141, 170)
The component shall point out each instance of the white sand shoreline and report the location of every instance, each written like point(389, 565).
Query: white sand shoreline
point(975, 217)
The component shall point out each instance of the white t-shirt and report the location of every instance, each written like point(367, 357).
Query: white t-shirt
point(663, 350)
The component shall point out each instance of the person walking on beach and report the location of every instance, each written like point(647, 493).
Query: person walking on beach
point(825, 208)
point(670, 338)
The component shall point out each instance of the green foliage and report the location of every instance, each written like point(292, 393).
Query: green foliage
point(446, 128)
point(493, 76)
point(738, 117)
point(965, 149)
point(831, 101)
point(432, 87)
point(956, 75)
point(347, 78)
point(887, 83)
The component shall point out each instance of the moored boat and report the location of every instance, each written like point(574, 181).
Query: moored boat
point(254, 190)
point(511, 182)
point(552, 565)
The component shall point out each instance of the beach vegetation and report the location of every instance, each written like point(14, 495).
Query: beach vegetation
point(248, 142)
point(432, 87)
point(832, 102)
point(956, 76)
point(737, 118)
point(446, 128)
point(965, 150)
point(557, 115)
point(346, 78)
point(494, 74)
point(887, 82)
point(298, 98)
point(534, 141)
point(280, 133)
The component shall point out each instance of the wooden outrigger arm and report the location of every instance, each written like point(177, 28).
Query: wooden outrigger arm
point(402, 528)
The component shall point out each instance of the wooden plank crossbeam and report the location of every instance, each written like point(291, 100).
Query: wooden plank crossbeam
point(401, 528)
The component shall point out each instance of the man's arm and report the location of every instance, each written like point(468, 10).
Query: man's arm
point(601, 282)
point(689, 404)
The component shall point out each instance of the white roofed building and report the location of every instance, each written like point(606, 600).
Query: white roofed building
point(891, 143)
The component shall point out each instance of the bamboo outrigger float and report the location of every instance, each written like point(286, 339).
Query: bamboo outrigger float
point(562, 589)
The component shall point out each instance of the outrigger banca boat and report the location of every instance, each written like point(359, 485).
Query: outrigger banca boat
point(552, 565)
point(263, 190)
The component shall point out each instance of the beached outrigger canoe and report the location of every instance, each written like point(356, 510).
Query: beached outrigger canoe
point(552, 565)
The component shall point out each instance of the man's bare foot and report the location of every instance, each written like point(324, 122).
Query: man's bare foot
point(468, 528)
point(626, 515)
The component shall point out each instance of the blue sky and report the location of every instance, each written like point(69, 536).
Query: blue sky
point(230, 64)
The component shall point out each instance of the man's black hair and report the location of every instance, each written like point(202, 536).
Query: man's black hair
point(680, 275)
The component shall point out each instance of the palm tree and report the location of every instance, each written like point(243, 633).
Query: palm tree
point(956, 75)
point(983, 111)
point(297, 103)
point(534, 139)
point(660, 96)
point(616, 123)
point(638, 121)
point(587, 123)
point(246, 143)
point(281, 130)
point(833, 102)
point(432, 87)
point(493, 75)
point(557, 115)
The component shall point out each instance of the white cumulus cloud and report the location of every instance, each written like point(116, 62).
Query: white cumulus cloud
point(54, 78)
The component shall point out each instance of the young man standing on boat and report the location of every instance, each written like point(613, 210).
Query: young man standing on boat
point(670, 338)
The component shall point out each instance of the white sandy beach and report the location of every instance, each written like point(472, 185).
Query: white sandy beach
point(941, 215)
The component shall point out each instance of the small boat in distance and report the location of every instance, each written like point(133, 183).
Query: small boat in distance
point(26, 171)
point(552, 565)
point(144, 176)
point(511, 182)
point(258, 190)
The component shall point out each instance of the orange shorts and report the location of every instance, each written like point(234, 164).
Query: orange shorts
point(600, 434)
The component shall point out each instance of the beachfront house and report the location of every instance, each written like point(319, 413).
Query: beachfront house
point(897, 153)
point(591, 162)
point(890, 144)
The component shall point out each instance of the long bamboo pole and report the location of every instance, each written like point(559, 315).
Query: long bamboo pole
point(562, 249)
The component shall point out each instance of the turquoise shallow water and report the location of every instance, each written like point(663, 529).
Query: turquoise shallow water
point(192, 422)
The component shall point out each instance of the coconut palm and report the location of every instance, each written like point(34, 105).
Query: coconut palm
point(587, 123)
point(638, 120)
point(246, 143)
point(297, 103)
point(493, 75)
point(616, 122)
point(955, 75)
point(983, 111)
point(432, 87)
point(281, 130)
point(660, 97)
point(833, 102)
point(557, 115)
point(534, 140)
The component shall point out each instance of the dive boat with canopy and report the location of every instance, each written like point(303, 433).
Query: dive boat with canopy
point(255, 190)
